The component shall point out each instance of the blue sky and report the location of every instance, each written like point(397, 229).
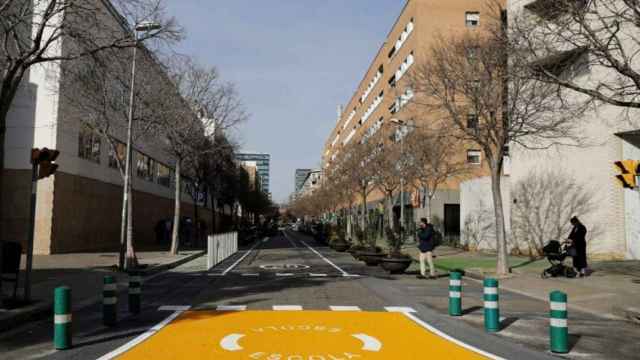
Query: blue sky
point(294, 62)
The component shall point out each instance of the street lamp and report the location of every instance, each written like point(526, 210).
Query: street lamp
point(402, 124)
point(144, 26)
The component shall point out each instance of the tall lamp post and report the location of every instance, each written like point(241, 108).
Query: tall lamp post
point(144, 26)
point(402, 124)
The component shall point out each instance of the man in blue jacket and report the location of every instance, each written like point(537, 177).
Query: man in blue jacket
point(426, 244)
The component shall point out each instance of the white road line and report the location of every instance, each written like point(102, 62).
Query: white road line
point(399, 309)
point(318, 275)
point(174, 308)
point(344, 308)
point(231, 307)
point(251, 274)
point(453, 340)
point(287, 308)
point(344, 273)
point(144, 336)
point(285, 274)
point(290, 241)
point(237, 261)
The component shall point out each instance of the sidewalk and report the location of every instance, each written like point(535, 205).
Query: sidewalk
point(84, 273)
point(610, 292)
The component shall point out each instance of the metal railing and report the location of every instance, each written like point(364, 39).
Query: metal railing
point(220, 247)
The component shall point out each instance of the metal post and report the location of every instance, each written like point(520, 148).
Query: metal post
point(558, 329)
point(135, 292)
point(62, 318)
point(402, 184)
point(127, 164)
point(491, 310)
point(32, 219)
point(109, 301)
point(455, 294)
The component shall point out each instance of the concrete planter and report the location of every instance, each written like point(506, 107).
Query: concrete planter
point(396, 264)
point(370, 258)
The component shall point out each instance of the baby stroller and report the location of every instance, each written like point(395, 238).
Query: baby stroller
point(556, 253)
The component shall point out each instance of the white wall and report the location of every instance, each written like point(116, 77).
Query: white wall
point(631, 209)
point(477, 219)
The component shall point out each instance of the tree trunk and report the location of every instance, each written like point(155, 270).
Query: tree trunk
point(502, 267)
point(176, 212)
point(213, 213)
point(390, 210)
point(364, 216)
point(196, 221)
point(131, 261)
point(349, 214)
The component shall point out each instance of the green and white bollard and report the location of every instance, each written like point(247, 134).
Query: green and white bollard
point(455, 294)
point(109, 301)
point(491, 310)
point(135, 291)
point(62, 318)
point(558, 329)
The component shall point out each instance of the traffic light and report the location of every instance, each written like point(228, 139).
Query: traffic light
point(629, 171)
point(45, 158)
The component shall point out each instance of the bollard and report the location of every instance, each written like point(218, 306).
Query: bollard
point(491, 310)
point(558, 329)
point(455, 294)
point(135, 291)
point(62, 318)
point(109, 301)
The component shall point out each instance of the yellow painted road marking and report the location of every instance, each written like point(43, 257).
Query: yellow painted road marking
point(302, 335)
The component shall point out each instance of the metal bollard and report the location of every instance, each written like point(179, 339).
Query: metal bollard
point(558, 329)
point(109, 301)
point(455, 294)
point(135, 291)
point(62, 318)
point(491, 310)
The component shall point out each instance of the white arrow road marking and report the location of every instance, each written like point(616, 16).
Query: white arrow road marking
point(369, 342)
point(230, 342)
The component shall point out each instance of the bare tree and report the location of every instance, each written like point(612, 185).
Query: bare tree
point(339, 181)
point(386, 170)
point(564, 39)
point(433, 160)
point(103, 110)
point(189, 115)
point(360, 175)
point(544, 203)
point(468, 76)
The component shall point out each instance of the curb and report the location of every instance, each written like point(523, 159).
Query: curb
point(44, 309)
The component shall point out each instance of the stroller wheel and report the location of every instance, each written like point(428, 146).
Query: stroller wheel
point(544, 274)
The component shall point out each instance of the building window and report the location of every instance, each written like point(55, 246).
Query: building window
point(121, 150)
point(471, 19)
point(474, 157)
point(472, 121)
point(163, 175)
point(89, 145)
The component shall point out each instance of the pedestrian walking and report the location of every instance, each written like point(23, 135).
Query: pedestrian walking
point(426, 244)
point(578, 246)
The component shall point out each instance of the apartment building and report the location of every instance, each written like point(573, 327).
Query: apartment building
point(300, 176)
point(262, 161)
point(384, 94)
point(610, 134)
point(79, 208)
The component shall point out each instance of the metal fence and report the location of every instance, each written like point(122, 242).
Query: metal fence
point(220, 247)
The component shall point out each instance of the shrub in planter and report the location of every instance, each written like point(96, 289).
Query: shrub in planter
point(396, 262)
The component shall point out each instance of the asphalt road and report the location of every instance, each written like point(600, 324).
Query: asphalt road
point(337, 309)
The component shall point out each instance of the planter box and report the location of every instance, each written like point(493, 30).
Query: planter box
point(396, 265)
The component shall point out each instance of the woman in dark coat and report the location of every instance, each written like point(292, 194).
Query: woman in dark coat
point(426, 245)
point(578, 241)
